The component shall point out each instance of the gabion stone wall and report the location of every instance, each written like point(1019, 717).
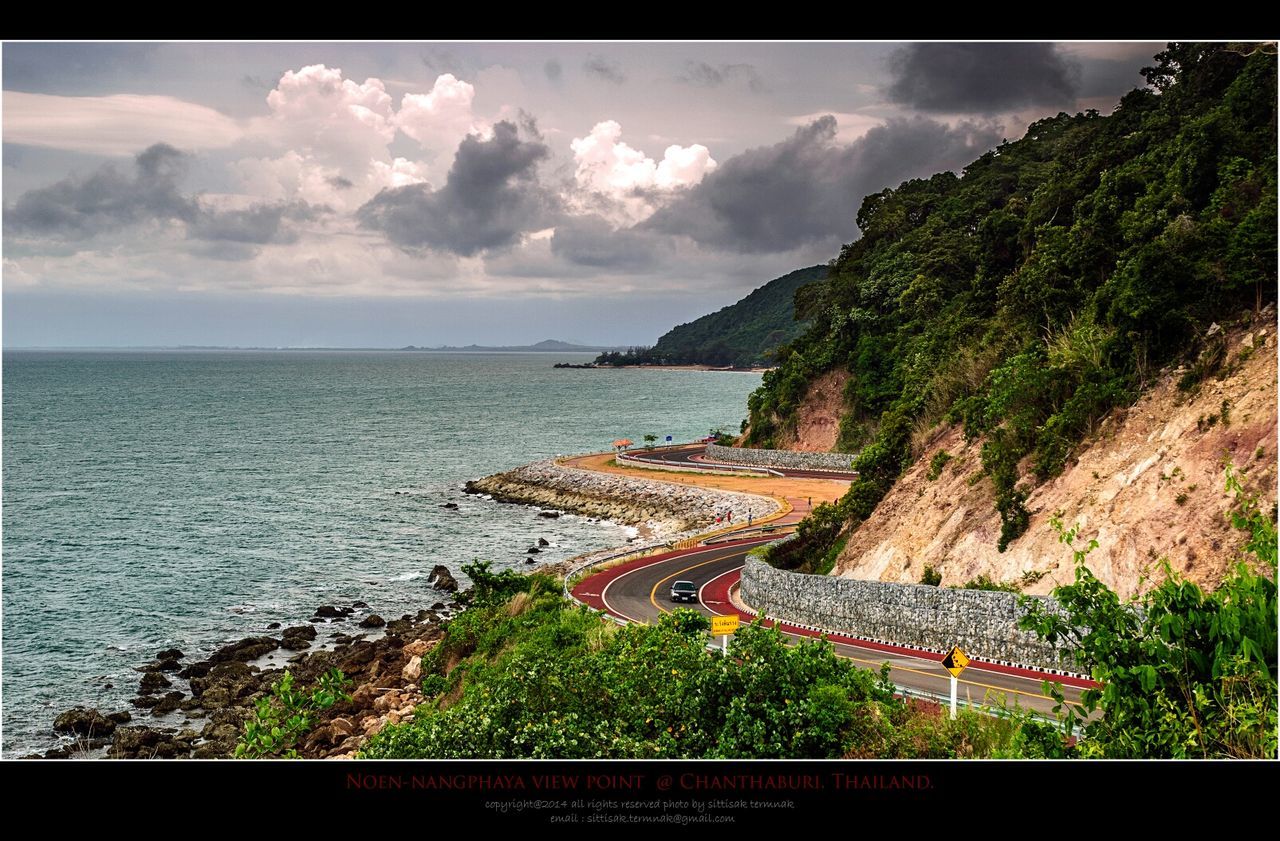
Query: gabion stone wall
point(780, 458)
point(982, 622)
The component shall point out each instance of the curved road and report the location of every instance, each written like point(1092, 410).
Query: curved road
point(694, 455)
point(639, 591)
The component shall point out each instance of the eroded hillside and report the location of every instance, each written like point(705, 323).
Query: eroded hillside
point(1147, 484)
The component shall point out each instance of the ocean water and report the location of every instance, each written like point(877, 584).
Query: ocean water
point(189, 498)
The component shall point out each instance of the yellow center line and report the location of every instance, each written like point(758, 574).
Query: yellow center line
point(653, 594)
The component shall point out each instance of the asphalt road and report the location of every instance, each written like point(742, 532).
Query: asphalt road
point(693, 456)
point(640, 592)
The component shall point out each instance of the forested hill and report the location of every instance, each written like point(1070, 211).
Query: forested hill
point(1045, 285)
point(741, 334)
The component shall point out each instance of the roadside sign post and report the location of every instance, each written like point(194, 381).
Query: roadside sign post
point(723, 627)
point(954, 662)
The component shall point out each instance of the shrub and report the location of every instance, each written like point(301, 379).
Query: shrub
point(1184, 673)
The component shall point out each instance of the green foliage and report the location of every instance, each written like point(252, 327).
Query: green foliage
point(552, 680)
point(985, 582)
point(1048, 283)
point(937, 463)
point(930, 576)
point(287, 714)
point(741, 335)
point(1184, 673)
point(490, 587)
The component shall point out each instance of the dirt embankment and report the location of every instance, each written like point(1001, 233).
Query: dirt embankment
point(1148, 485)
point(818, 417)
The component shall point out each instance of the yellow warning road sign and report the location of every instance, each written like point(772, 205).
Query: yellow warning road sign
point(723, 625)
point(955, 661)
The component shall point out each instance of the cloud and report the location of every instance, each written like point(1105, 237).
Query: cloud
point(490, 199)
point(226, 251)
point(258, 224)
point(626, 177)
point(440, 119)
point(592, 241)
point(604, 68)
point(701, 74)
point(116, 125)
point(336, 135)
point(808, 188)
point(553, 69)
point(110, 198)
point(339, 123)
point(981, 78)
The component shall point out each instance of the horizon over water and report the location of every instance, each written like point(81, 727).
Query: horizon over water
point(187, 498)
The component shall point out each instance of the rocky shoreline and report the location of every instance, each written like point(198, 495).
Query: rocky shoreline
point(663, 507)
point(211, 699)
point(198, 709)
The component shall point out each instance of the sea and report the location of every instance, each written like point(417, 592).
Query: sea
point(188, 498)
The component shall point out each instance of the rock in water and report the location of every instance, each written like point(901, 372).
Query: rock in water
point(442, 579)
point(151, 682)
point(542, 541)
point(373, 620)
point(84, 721)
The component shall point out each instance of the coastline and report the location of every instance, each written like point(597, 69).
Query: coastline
point(198, 708)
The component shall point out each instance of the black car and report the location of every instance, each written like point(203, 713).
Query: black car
point(684, 591)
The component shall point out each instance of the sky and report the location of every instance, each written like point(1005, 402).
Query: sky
point(384, 194)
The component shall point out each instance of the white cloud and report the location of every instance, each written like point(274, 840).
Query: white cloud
point(117, 125)
point(608, 166)
point(440, 119)
point(337, 135)
point(334, 120)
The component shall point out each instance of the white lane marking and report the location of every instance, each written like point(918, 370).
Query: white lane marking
point(708, 604)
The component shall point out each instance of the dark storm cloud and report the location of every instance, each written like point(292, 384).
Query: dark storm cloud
point(591, 241)
point(1111, 77)
point(260, 224)
point(553, 69)
point(808, 188)
point(339, 183)
point(108, 199)
point(489, 199)
point(701, 74)
point(111, 198)
point(604, 68)
point(982, 78)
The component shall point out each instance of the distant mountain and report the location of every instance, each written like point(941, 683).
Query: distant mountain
point(544, 346)
point(741, 335)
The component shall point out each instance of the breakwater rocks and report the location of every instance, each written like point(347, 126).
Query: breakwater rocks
point(982, 622)
point(792, 459)
point(663, 506)
point(199, 710)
